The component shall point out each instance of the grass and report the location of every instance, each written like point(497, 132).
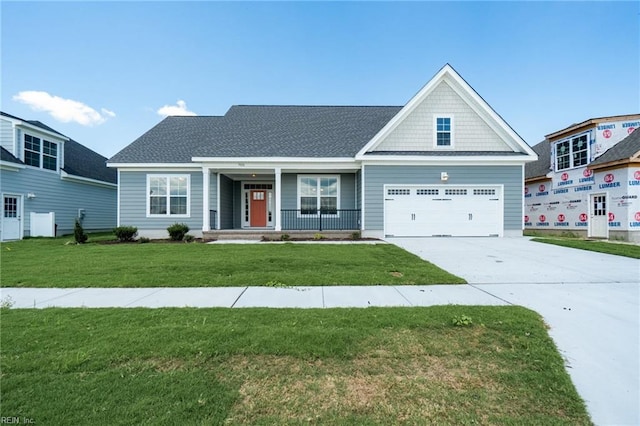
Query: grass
point(277, 366)
point(50, 262)
point(617, 249)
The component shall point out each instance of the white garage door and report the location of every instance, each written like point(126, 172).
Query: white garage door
point(443, 210)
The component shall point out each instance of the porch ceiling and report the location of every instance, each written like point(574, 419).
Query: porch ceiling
point(261, 174)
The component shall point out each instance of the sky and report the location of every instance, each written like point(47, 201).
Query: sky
point(104, 73)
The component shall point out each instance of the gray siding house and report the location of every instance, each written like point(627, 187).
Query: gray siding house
point(444, 164)
point(47, 180)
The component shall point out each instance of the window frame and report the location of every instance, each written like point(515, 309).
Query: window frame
point(167, 196)
point(436, 131)
point(318, 195)
point(585, 153)
point(40, 154)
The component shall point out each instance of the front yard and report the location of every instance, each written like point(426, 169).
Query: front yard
point(56, 262)
point(283, 366)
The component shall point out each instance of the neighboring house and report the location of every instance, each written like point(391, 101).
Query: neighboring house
point(48, 180)
point(444, 164)
point(587, 180)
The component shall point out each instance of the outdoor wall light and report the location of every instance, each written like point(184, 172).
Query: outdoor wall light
point(31, 195)
point(444, 176)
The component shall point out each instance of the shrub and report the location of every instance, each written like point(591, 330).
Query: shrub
point(78, 233)
point(285, 237)
point(125, 233)
point(144, 240)
point(189, 238)
point(177, 231)
point(318, 237)
point(356, 235)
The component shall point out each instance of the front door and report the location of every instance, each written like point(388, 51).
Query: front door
point(11, 217)
point(258, 208)
point(598, 225)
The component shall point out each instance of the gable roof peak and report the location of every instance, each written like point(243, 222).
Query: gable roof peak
point(449, 75)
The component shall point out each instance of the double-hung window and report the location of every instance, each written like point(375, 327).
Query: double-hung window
point(318, 194)
point(40, 153)
point(168, 195)
point(443, 135)
point(572, 152)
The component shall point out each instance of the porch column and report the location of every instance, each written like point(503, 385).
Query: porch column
point(278, 175)
point(206, 179)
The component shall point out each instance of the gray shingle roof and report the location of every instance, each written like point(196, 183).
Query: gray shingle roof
point(81, 161)
point(541, 166)
point(261, 131)
point(623, 150)
point(8, 157)
point(78, 159)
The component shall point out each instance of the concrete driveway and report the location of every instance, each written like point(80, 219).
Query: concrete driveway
point(591, 302)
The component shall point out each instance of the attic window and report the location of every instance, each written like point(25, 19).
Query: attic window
point(40, 153)
point(443, 126)
point(572, 152)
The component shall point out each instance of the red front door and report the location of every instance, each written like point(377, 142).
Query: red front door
point(258, 208)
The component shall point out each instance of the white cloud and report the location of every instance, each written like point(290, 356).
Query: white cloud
point(65, 110)
point(179, 109)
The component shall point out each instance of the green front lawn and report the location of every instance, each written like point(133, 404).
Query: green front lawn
point(618, 249)
point(56, 263)
point(276, 366)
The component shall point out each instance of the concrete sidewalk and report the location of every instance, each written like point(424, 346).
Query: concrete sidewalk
point(246, 297)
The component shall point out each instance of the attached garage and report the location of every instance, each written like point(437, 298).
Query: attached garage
point(443, 210)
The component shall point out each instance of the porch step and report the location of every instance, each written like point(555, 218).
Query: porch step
point(270, 235)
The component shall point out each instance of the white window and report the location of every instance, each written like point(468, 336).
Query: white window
point(168, 195)
point(572, 152)
point(318, 194)
point(40, 153)
point(443, 131)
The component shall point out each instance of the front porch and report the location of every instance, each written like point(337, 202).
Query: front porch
point(277, 202)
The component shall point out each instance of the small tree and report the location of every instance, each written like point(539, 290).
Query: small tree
point(177, 231)
point(78, 233)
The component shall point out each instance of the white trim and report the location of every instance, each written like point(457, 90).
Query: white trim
point(66, 176)
point(206, 177)
point(218, 201)
point(59, 150)
point(570, 139)
point(438, 160)
point(451, 132)
point(448, 74)
point(278, 190)
point(168, 176)
point(362, 202)
point(118, 201)
point(270, 161)
point(318, 195)
point(246, 224)
point(143, 167)
point(26, 125)
point(7, 165)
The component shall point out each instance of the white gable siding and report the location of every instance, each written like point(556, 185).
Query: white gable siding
point(7, 136)
point(416, 133)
